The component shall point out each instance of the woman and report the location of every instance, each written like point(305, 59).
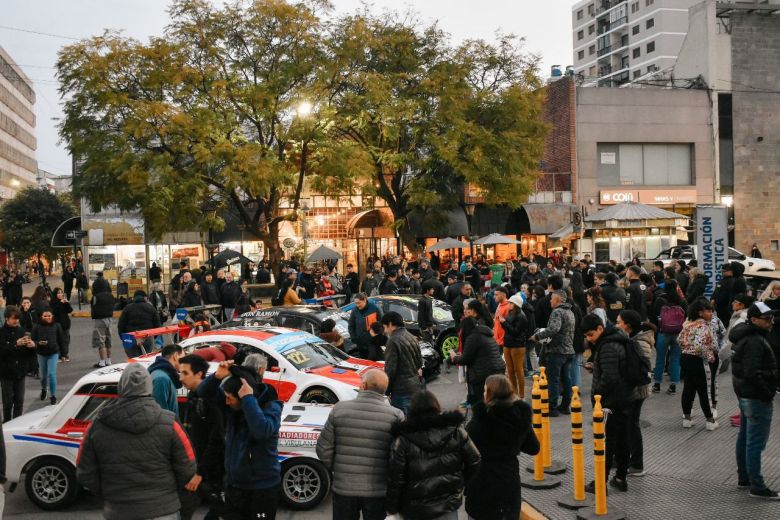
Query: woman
point(67, 281)
point(431, 461)
point(48, 338)
point(244, 303)
point(376, 349)
point(61, 309)
point(698, 344)
point(41, 299)
point(329, 333)
point(669, 311)
point(516, 332)
point(82, 284)
point(755, 252)
point(596, 304)
point(696, 286)
point(501, 430)
point(771, 297)
point(159, 301)
point(290, 293)
point(643, 334)
point(191, 296)
point(16, 351)
point(481, 356)
point(578, 291)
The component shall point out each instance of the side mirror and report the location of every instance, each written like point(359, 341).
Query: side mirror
point(275, 369)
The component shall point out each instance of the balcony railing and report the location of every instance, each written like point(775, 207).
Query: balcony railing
point(605, 50)
point(606, 5)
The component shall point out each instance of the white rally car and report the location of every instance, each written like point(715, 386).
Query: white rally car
point(41, 446)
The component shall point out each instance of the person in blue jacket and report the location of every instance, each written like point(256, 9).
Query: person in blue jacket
point(253, 417)
point(165, 377)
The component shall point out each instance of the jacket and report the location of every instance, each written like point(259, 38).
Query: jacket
point(726, 351)
point(229, 293)
point(203, 421)
point(355, 444)
point(609, 367)
point(191, 297)
point(402, 362)
point(291, 296)
point(139, 315)
point(135, 457)
point(387, 286)
point(431, 461)
point(696, 288)
point(498, 328)
point(210, 294)
point(724, 293)
point(359, 323)
point(52, 334)
point(516, 328)
point(635, 296)
point(500, 433)
point(560, 330)
point(61, 310)
point(615, 300)
point(697, 339)
point(100, 285)
point(754, 367)
point(481, 354)
point(425, 313)
point(14, 360)
point(102, 306)
point(165, 382)
point(645, 340)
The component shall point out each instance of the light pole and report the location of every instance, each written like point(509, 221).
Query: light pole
point(470, 209)
point(728, 200)
point(304, 210)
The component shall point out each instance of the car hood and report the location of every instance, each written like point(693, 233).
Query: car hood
point(345, 373)
point(28, 421)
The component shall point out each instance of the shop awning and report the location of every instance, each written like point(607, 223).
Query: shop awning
point(58, 239)
point(632, 211)
point(563, 232)
point(544, 219)
point(451, 223)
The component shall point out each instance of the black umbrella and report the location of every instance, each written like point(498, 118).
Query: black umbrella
point(227, 258)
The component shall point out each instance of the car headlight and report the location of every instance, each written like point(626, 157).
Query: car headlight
point(426, 349)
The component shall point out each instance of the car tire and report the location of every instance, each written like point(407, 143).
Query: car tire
point(319, 396)
point(449, 342)
point(51, 483)
point(305, 482)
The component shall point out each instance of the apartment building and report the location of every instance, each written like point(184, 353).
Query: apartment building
point(619, 41)
point(18, 167)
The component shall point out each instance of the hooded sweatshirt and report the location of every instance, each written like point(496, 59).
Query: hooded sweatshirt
point(135, 456)
point(165, 382)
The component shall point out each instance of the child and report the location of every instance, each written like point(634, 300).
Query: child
point(376, 351)
point(329, 334)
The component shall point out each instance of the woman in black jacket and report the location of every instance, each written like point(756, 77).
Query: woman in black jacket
point(482, 358)
point(501, 430)
point(192, 295)
point(696, 286)
point(48, 338)
point(61, 309)
point(431, 461)
point(16, 351)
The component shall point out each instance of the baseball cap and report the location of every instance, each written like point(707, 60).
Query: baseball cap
point(727, 267)
point(760, 310)
point(744, 299)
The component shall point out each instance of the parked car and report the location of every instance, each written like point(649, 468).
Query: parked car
point(42, 446)
point(690, 252)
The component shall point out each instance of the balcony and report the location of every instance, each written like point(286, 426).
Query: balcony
point(604, 51)
point(606, 5)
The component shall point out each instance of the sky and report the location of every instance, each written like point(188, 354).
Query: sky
point(546, 25)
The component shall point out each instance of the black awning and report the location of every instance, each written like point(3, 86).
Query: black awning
point(496, 219)
point(451, 223)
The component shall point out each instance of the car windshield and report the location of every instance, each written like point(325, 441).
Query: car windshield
point(309, 356)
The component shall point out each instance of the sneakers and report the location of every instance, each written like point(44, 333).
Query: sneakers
point(765, 493)
point(656, 388)
point(554, 413)
point(636, 472)
point(619, 483)
point(743, 484)
point(714, 413)
point(564, 410)
point(99, 364)
point(53, 400)
point(66, 358)
point(687, 423)
point(591, 488)
point(711, 425)
point(672, 389)
point(43, 395)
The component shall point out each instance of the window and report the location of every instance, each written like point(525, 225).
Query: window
point(632, 164)
point(652, 68)
point(592, 71)
point(581, 55)
point(580, 35)
point(650, 23)
point(635, 30)
point(634, 7)
point(637, 73)
point(650, 47)
point(592, 29)
point(592, 50)
point(636, 52)
point(579, 14)
point(591, 9)
point(649, 2)
point(774, 245)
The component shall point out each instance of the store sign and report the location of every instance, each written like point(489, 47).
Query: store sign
point(663, 197)
point(711, 243)
point(608, 157)
point(616, 197)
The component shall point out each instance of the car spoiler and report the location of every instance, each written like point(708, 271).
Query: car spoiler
point(131, 339)
point(320, 301)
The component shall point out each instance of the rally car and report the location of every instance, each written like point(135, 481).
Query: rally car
point(446, 331)
point(41, 446)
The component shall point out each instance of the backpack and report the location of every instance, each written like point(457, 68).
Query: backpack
point(637, 366)
point(672, 319)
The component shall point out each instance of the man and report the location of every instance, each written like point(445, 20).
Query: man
point(403, 361)
point(102, 311)
point(177, 281)
point(426, 273)
point(609, 381)
point(425, 312)
point(177, 291)
point(258, 364)
point(472, 277)
point(544, 306)
point(165, 377)
point(588, 273)
point(360, 319)
point(263, 275)
point(438, 291)
point(155, 273)
point(532, 276)
point(16, 353)
point(135, 456)
point(202, 420)
point(229, 294)
point(351, 282)
point(252, 468)
point(370, 284)
point(739, 306)
point(466, 292)
point(755, 379)
point(355, 446)
point(501, 295)
point(208, 290)
point(387, 285)
point(635, 295)
point(730, 285)
point(454, 282)
point(560, 351)
point(415, 283)
point(100, 285)
point(614, 297)
point(138, 315)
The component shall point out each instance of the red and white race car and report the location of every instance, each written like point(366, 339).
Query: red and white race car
point(302, 367)
point(41, 446)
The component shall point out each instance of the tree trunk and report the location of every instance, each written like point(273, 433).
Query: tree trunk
point(273, 248)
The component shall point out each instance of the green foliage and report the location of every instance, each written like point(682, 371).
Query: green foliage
point(29, 220)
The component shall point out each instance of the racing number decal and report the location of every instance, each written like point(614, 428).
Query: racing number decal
point(297, 357)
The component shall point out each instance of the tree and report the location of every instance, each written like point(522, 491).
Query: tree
point(433, 117)
point(29, 221)
point(203, 120)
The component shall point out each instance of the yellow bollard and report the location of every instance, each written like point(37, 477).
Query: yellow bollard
point(553, 467)
point(541, 480)
point(599, 470)
point(578, 499)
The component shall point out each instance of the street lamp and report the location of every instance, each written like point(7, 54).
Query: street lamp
point(305, 210)
point(470, 209)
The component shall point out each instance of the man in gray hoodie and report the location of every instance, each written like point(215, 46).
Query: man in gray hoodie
point(135, 457)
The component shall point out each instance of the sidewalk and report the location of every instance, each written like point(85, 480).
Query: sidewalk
point(691, 473)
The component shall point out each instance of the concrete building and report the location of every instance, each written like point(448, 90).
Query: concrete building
point(53, 182)
point(619, 41)
point(18, 167)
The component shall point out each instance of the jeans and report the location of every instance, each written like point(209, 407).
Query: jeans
point(13, 397)
point(48, 370)
point(559, 375)
point(755, 419)
point(401, 401)
point(514, 358)
point(695, 383)
point(667, 341)
point(576, 378)
point(349, 508)
point(636, 458)
point(241, 504)
point(618, 442)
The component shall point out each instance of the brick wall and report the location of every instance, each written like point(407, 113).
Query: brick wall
point(755, 52)
point(560, 154)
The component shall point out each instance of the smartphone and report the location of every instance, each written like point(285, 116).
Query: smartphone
point(27, 334)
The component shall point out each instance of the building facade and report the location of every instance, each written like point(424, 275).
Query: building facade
point(18, 166)
point(620, 41)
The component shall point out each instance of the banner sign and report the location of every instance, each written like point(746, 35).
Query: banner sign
point(712, 243)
